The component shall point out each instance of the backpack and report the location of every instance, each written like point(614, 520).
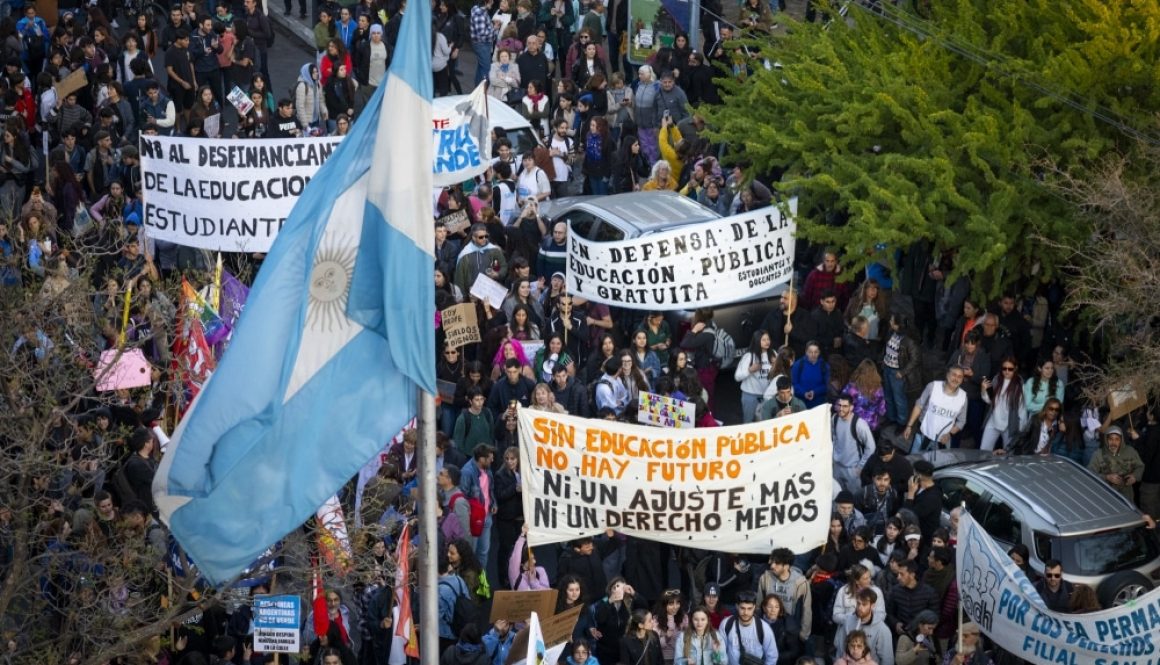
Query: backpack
point(450, 527)
point(723, 347)
point(463, 611)
point(853, 431)
point(477, 515)
point(735, 625)
point(592, 406)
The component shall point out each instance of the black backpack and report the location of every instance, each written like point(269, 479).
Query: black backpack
point(463, 612)
point(853, 431)
point(735, 625)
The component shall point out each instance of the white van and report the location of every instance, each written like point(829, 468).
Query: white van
point(515, 126)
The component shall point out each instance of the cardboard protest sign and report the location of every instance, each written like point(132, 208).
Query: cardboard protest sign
point(460, 327)
point(707, 264)
point(744, 489)
point(515, 606)
point(997, 595)
point(455, 222)
point(555, 632)
point(486, 288)
point(225, 195)
point(1126, 399)
point(661, 411)
point(71, 83)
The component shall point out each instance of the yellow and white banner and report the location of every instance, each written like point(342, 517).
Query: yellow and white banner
point(742, 489)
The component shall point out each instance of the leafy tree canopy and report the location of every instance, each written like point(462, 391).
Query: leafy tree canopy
point(908, 129)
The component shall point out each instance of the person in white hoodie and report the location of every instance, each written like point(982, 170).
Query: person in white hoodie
point(753, 374)
point(866, 619)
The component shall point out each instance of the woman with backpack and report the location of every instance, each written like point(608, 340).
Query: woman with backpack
point(753, 373)
point(700, 341)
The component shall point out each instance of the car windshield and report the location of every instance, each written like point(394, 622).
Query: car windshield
point(1108, 552)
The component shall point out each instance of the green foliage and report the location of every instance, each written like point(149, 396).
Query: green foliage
point(907, 137)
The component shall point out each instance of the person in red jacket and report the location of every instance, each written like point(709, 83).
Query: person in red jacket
point(825, 276)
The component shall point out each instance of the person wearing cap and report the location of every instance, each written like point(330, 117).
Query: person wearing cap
point(878, 639)
point(942, 409)
point(908, 598)
point(1120, 466)
point(370, 62)
point(916, 645)
point(748, 639)
point(923, 498)
point(712, 601)
point(972, 652)
point(888, 459)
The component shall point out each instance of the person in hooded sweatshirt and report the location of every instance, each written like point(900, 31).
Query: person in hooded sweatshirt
point(467, 651)
point(585, 560)
point(309, 99)
point(1120, 466)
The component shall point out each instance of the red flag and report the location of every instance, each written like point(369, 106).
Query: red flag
point(321, 616)
point(405, 627)
point(192, 360)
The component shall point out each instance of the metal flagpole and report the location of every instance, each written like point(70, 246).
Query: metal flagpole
point(428, 528)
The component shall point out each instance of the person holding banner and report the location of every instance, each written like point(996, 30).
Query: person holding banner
point(968, 650)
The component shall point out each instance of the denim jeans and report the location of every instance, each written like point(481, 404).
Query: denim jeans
point(896, 403)
point(922, 444)
point(482, 52)
point(749, 405)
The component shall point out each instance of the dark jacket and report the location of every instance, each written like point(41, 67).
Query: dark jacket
point(700, 345)
point(503, 393)
point(572, 397)
point(927, 506)
point(634, 651)
point(803, 329)
point(590, 568)
point(139, 472)
point(464, 654)
point(903, 604)
point(827, 327)
point(510, 505)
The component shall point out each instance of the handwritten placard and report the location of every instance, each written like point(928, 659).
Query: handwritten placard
point(661, 411)
point(455, 222)
point(460, 326)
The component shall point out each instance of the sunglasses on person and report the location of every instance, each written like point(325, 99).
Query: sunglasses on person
point(1007, 368)
point(482, 237)
point(1053, 576)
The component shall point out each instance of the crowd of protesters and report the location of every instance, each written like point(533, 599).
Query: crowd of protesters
point(908, 358)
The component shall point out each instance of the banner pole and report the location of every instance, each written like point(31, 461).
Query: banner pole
point(962, 509)
point(428, 529)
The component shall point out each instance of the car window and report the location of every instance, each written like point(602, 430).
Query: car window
point(1002, 522)
point(608, 233)
point(1043, 546)
point(581, 222)
point(522, 140)
point(1109, 552)
point(955, 491)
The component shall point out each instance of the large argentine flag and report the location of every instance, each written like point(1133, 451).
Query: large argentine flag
point(335, 340)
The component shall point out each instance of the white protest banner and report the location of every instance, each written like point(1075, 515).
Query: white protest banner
point(662, 411)
point(745, 489)
point(713, 263)
point(486, 288)
point(222, 194)
point(995, 594)
point(277, 620)
point(461, 136)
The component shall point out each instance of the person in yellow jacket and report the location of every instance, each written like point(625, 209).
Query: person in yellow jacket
point(660, 178)
point(668, 138)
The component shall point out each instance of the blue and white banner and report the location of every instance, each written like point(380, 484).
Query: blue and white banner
point(336, 339)
point(995, 594)
point(461, 137)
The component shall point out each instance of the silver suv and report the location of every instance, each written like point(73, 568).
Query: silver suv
point(1059, 510)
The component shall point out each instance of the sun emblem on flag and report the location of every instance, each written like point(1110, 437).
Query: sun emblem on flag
point(330, 288)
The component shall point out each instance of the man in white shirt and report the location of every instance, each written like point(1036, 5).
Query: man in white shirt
point(533, 182)
point(943, 410)
point(561, 151)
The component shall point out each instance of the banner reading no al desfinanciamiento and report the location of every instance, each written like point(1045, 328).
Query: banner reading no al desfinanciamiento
point(742, 489)
point(224, 194)
point(713, 263)
point(998, 596)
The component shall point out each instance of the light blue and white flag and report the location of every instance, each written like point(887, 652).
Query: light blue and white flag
point(336, 338)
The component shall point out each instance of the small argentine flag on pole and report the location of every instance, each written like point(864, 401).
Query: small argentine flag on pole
point(336, 338)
